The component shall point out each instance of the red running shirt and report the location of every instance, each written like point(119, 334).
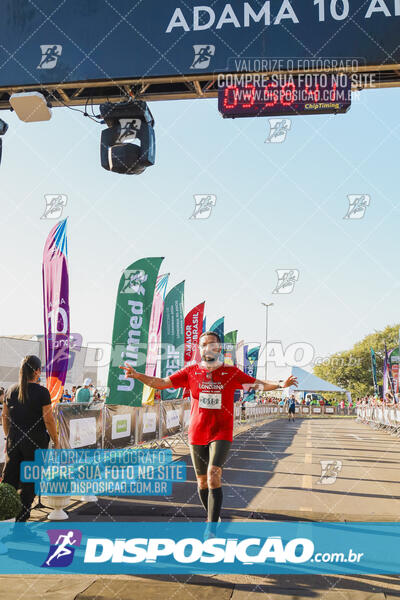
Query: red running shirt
point(211, 414)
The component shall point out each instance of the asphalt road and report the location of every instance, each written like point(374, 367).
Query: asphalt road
point(328, 469)
point(274, 473)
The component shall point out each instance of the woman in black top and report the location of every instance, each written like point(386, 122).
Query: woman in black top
point(27, 421)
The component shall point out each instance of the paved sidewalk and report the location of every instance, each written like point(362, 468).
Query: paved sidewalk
point(229, 587)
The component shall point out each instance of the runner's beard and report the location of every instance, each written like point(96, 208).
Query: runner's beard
point(210, 358)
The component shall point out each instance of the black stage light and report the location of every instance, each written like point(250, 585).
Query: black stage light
point(126, 121)
point(3, 129)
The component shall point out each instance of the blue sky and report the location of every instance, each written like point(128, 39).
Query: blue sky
point(278, 206)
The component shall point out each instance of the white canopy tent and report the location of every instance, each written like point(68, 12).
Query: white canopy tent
point(307, 382)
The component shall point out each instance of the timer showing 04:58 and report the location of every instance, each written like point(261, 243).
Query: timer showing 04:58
point(280, 96)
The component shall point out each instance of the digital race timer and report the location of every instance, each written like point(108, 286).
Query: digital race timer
point(307, 94)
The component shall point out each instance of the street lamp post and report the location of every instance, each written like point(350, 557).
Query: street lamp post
point(266, 334)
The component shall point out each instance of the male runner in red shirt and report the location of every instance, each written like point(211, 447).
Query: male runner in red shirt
point(212, 386)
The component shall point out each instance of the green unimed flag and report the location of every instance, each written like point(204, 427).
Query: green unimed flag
point(131, 329)
point(172, 337)
point(230, 340)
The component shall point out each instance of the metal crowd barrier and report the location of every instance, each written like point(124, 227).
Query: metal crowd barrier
point(109, 426)
point(250, 413)
point(386, 418)
point(161, 425)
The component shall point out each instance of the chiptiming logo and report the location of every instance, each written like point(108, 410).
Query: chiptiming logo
point(62, 547)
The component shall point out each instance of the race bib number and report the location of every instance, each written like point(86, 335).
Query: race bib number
point(209, 400)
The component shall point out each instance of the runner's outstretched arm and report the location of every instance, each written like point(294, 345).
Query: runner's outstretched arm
point(158, 383)
point(268, 386)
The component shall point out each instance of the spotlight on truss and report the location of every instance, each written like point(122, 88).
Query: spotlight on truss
point(3, 129)
point(128, 144)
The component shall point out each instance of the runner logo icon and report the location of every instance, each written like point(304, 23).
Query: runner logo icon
point(286, 281)
point(50, 55)
point(330, 470)
point(133, 282)
point(55, 204)
point(62, 550)
point(278, 130)
point(358, 204)
point(202, 56)
point(204, 204)
point(129, 129)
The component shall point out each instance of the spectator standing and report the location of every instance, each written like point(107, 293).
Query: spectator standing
point(27, 422)
point(66, 396)
point(84, 394)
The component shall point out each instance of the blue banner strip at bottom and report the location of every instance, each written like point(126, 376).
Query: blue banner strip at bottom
point(169, 547)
